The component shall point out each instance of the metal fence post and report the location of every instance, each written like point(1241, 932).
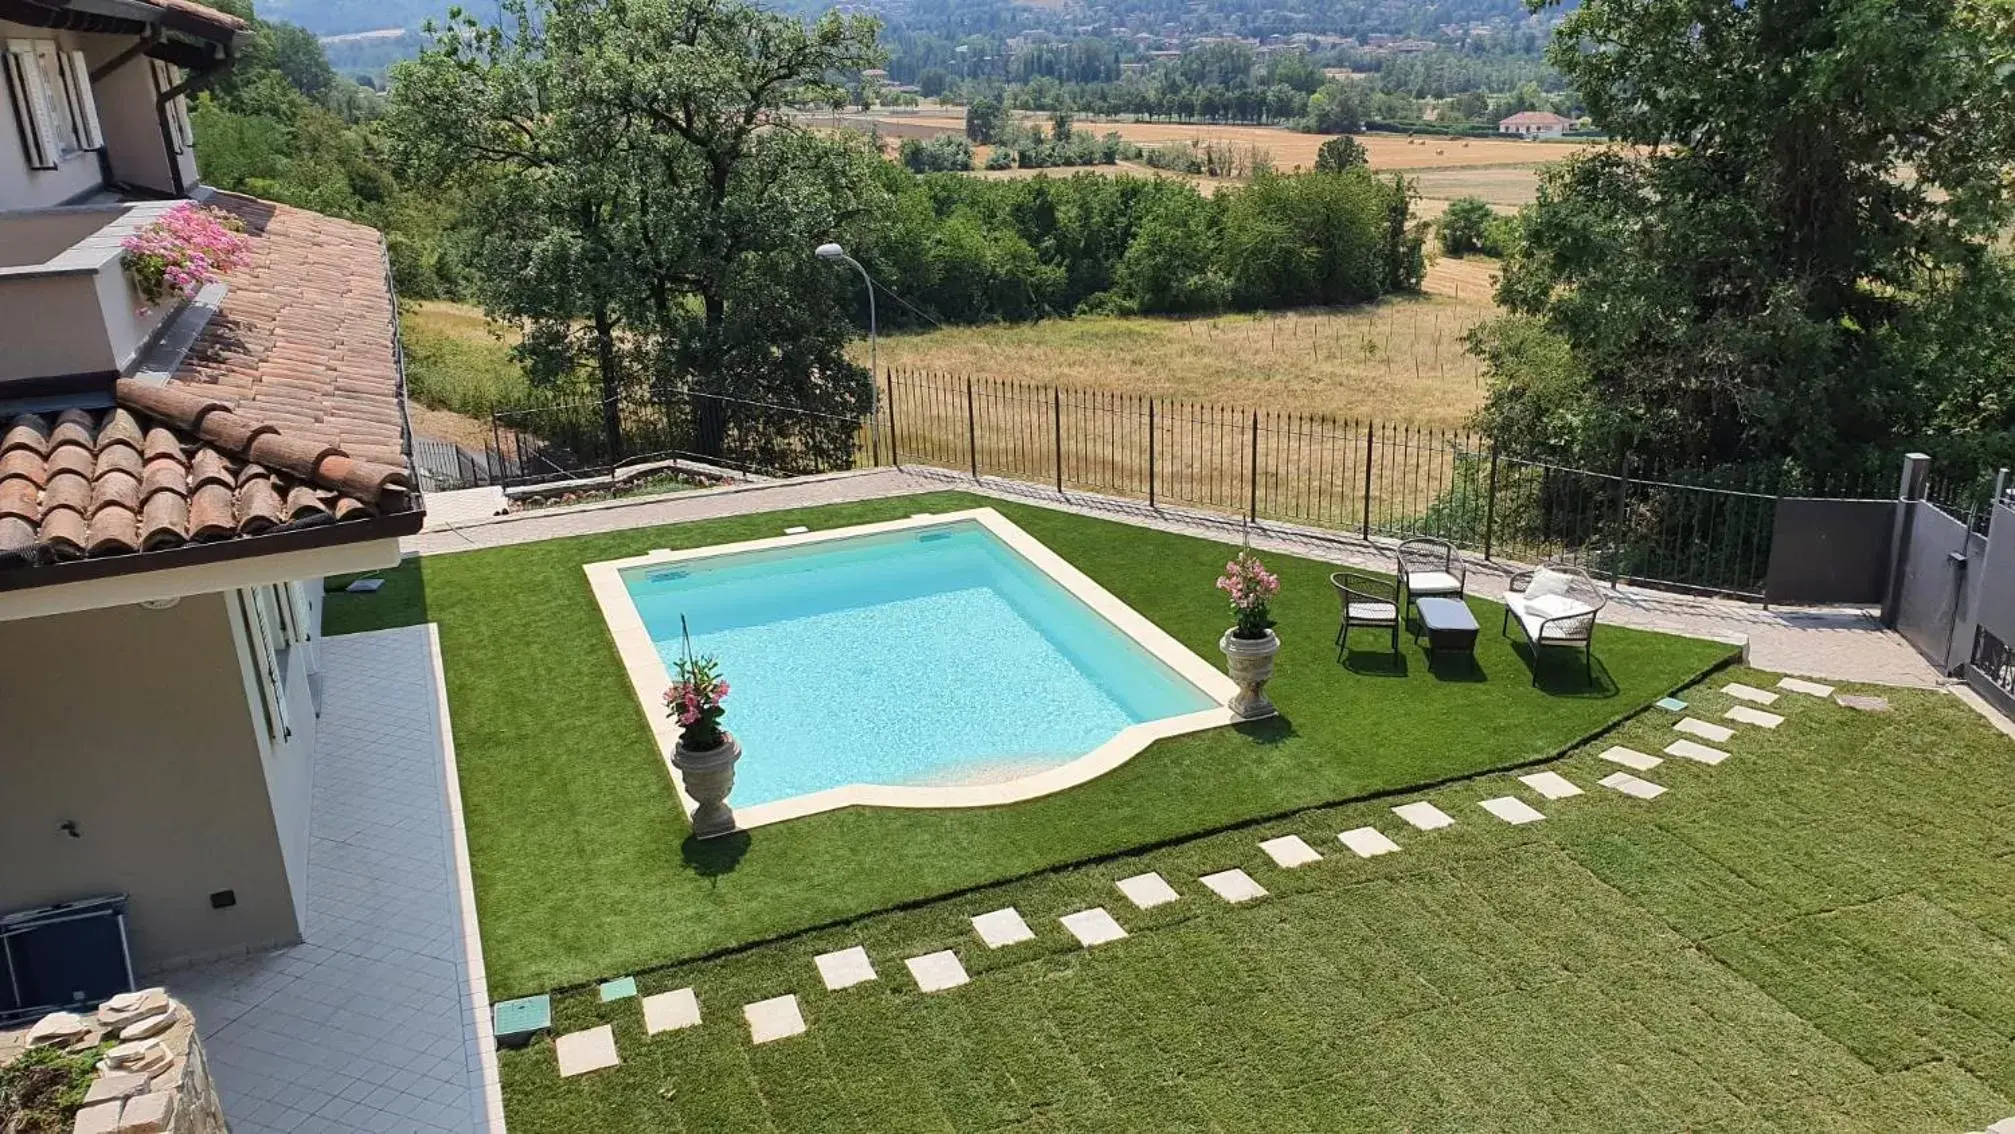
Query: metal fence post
point(1616, 575)
point(972, 431)
point(1490, 506)
point(1056, 416)
point(1909, 493)
point(1252, 508)
point(1150, 453)
point(895, 450)
point(1370, 430)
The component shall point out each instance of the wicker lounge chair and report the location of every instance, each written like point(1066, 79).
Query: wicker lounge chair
point(1557, 607)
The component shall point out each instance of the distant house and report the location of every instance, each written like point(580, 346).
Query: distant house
point(1534, 124)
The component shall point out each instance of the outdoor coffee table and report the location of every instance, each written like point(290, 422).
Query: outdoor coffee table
point(1450, 627)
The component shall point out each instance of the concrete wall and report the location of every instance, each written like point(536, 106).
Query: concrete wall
point(134, 724)
point(80, 173)
point(1942, 574)
point(1996, 609)
point(288, 762)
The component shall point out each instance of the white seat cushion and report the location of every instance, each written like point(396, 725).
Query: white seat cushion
point(1373, 612)
point(1534, 615)
point(1547, 582)
point(1432, 583)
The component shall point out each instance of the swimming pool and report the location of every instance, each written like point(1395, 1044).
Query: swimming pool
point(937, 661)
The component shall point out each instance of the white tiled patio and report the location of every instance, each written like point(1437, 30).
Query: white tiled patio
point(377, 1021)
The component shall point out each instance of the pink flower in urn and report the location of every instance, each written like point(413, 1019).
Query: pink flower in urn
point(1251, 588)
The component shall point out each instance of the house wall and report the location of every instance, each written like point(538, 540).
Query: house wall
point(134, 724)
point(286, 760)
point(78, 174)
point(130, 119)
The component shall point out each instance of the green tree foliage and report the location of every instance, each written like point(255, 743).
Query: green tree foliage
point(986, 118)
point(947, 153)
point(1339, 154)
point(932, 82)
point(1801, 263)
point(1465, 226)
point(1337, 108)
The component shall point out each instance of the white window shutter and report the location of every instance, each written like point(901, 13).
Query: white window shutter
point(165, 79)
point(266, 657)
point(79, 74)
point(55, 98)
point(24, 83)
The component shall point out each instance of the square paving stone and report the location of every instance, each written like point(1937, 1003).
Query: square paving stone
point(620, 989)
point(774, 1019)
point(1552, 785)
point(1631, 758)
point(845, 968)
point(1749, 693)
point(1809, 688)
point(1289, 851)
point(1424, 816)
point(1002, 927)
point(582, 1052)
point(1512, 810)
point(1092, 927)
point(1718, 734)
point(1672, 704)
point(1233, 885)
point(1631, 785)
point(1757, 717)
point(935, 972)
point(1367, 842)
point(1698, 753)
point(670, 1011)
point(1865, 704)
point(1147, 890)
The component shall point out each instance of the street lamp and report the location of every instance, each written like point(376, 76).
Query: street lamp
point(833, 253)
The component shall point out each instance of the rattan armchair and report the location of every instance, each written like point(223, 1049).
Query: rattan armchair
point(1431, 568)
point(1369, 602)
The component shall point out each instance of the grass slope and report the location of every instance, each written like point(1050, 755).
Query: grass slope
point(582, 865)
point(1813, 936)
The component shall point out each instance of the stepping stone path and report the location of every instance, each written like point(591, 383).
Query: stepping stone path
point(1512, 810)
point(1757, 717)
point(1809, 688)
point(1233, 886)
point(774, 1019)
point(1147, 890)
point(1552, 785)
point(1632, 786)
point(1367, 842)
point(845, 968)
point(1749, 693)
point(1698, 753)
point(1719, 734)
point(1289, 851)
point(1424, 816)
point(1865, 704)
point(935, 972)
point(671, 1011)
point(796, 531)
point(1092, 927)
point(1631, 758)
point(582, 1052)
point(1002, 928)
point(619, 989)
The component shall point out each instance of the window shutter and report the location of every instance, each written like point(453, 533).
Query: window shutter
point(77, 74)
point(177, 110)
point(59, 114)
point(31, 112)
point(266, 658)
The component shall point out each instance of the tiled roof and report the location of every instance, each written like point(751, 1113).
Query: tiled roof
point(304, 337)
point(1534, 118)
point(201, 12)
point(168, 466)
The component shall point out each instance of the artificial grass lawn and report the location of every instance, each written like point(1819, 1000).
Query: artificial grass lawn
point(582, 864)
point(1814, 935)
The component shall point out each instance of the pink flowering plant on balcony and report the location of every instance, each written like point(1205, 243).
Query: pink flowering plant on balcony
point(695, 700)
point(1252, 588)
point(189, 247)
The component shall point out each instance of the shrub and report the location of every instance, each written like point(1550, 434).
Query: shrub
point(947, 153)
point(1465, 226)
point(1339, 154)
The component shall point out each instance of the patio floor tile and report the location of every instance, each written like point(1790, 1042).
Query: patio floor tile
point(1552, 785)
point(845, 968)
point(1631, 758)
point(935, 972)
point(1512, 809)
point(1809, 688)
point(1749, 693)
point(1147, 890)
point(670, 1011)
point(1632, 786)
point(1233, 885)
point(1002, 927)
point(774, 1019)
point(1718, 734)
point(1092, 927)
point(1698, 753)
point(1424, 816)
point(1367, 842)
point(1289, 851)
point(582, 1052)
point(1757, 717)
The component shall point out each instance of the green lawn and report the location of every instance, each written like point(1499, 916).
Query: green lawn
point(583, 869)
point(1813, 936)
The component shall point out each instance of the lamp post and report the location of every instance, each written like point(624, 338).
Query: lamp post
point(833, 253)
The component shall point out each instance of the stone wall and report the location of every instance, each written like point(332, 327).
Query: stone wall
point(152, 1076)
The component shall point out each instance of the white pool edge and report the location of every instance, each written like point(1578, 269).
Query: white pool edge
point(649, 677)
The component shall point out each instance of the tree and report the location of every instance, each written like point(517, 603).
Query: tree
point(986, 120)
point(1799, 265)
point(1338, 108)
point(1339, 154)
point(932, 82)
point(1060, 123)
point(1465, 226)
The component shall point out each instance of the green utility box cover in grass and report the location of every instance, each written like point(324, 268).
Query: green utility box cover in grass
point(517, 1021)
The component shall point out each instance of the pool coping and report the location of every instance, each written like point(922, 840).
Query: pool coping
point(649, 676)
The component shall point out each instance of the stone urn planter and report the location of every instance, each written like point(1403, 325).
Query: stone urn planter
point(709, 776)
point(1250, 663)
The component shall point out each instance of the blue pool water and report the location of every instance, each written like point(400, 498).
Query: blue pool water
point(929, 655)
